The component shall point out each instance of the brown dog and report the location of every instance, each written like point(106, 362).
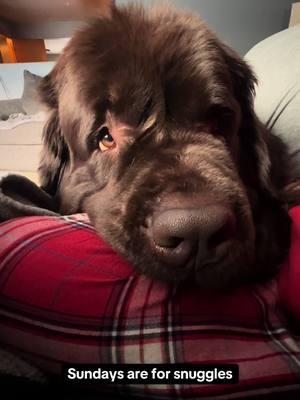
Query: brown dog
point(152, 132)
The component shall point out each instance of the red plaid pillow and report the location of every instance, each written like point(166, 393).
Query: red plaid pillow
point(66, 297)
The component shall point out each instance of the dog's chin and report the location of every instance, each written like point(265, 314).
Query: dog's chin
point(224, 275)
point(228, 269)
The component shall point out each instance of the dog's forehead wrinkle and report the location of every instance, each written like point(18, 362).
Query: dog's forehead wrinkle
point(139, 105)
point(118, 124)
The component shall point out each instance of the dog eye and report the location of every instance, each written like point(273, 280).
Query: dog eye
point(105, 140)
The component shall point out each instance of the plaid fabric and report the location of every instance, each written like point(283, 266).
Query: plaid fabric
point(66, 297)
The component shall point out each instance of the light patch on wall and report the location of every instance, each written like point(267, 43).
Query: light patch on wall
point(295, 14)
point(55, 46)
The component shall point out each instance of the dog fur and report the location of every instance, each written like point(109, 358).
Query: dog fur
point(179, 104)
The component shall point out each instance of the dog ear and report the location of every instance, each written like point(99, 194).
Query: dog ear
point(254, 138)
point(262, 161)
point(55, 151)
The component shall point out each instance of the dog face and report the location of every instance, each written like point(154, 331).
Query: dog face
point(153, 134)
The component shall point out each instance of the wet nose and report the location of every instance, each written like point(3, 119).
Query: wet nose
point(180, 233)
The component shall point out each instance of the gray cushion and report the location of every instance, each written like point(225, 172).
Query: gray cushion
point(8, 107)
point(29, 103)
point(30, 99)
point(276, 62)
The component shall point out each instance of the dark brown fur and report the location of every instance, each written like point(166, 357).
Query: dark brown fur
point(181, 104)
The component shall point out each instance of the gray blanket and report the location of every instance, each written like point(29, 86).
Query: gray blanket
point(20, 197)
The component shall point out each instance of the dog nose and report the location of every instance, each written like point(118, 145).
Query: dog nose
point(180, 233)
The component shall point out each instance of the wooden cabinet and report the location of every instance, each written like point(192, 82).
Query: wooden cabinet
point(22, 50)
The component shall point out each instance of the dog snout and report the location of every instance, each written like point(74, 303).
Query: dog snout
point(181, 234)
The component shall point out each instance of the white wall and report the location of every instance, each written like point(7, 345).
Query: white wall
point(11, 76)
point(240, 23)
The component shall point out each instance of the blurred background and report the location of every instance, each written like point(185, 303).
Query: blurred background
point(240, 23)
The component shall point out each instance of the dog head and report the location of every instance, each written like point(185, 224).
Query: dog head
point(152, 132)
